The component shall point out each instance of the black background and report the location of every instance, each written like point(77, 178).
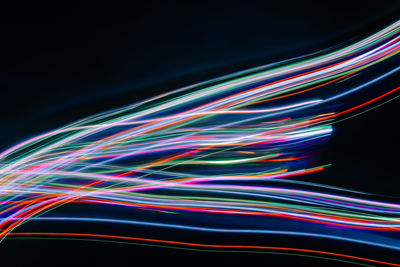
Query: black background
point(61, 63)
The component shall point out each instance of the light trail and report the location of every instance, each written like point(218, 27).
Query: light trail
point(237, 145)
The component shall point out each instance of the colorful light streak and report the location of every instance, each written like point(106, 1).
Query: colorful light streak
point(213, 148)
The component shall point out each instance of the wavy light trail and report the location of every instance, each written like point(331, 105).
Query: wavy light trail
point(231, 146)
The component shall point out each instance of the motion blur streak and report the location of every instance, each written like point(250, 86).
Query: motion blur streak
point(231, 147)
point(176, 243)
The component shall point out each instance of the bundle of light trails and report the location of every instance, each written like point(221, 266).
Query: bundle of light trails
point(235, 148)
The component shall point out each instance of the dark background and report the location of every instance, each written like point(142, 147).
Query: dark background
point(61, 63)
